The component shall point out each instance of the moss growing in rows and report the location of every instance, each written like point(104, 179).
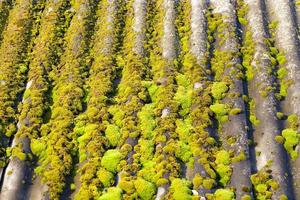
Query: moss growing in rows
point(291, 141)
point(180, 189)
point(17, 152)
point(37, 147)
point(183, 128)
point(111, 160)
point(218, 90)
point(253, 118)
point(235, 111)
point(263, 184)
point(106, 177)
point(184, 94)
point(146, 190)
point(221, 111)
point(293, 121)
point(183, 151)
point(113, 193)
point(224, 194)
point(223, 169)
point(113, 134)
point(223, 157)
point(146, 149)
point(147, 121)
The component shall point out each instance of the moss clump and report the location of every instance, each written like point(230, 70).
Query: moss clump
point(218, 90)
point(147, 121)
point(291, 141)
point(223, 169)
point(235, 111)
point(146, 190)
point(113, 193)
point(184, 94)
point(220, 111)
point(17, 152)
point(113, 134)
point(208, 183)
point(293, 121)
point(223, 157)
point(183, 151)
point(106, 177)
point(180, 189)
point(37, 147)
point(73, 187)
point(224, 194)
point(281, 73)
point(279, 115)
point(111, 160)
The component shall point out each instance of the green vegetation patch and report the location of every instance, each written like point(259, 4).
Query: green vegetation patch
point(113, 134)
point(218, 90)
point(111, 160)
point(291, 141)
point(113, 193)
point(145, 189)
point(224, 194)
point(180, 189)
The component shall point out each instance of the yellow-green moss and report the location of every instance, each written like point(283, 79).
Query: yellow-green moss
point(218, 90)
point(291, 141)
point(146, 190)
point(180, 189)
point(113, 134)
point(111, 160)
point(106, 177)
point(113, 193)
point(224, 194)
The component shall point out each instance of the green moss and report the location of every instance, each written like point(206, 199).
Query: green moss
point(111, 160)
point(235, 111)
point(37, 147)
point(254, 120)
point(208, 183)
point(147, 121)
point(146, 190)
point(183, 128)
point(73, 186)
point(279, 115)
point(180, 189)
point(183, 151)
point(146, 150)
point(218, 90)
point(293, 121)
point(224, 171)
point(113, 193)
point(281, 58)
point(113, 134)
point(284, 197)
point(246, 197)
point(281, 73)
point(224, 194)
point(197, 181)
point(291, 141)
point(23, 68)
point(261, 188)
point(106, 177)
point(220, 111)
point(240, 157)
point(17, 152)
point(223, 157)
point(279, 139)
